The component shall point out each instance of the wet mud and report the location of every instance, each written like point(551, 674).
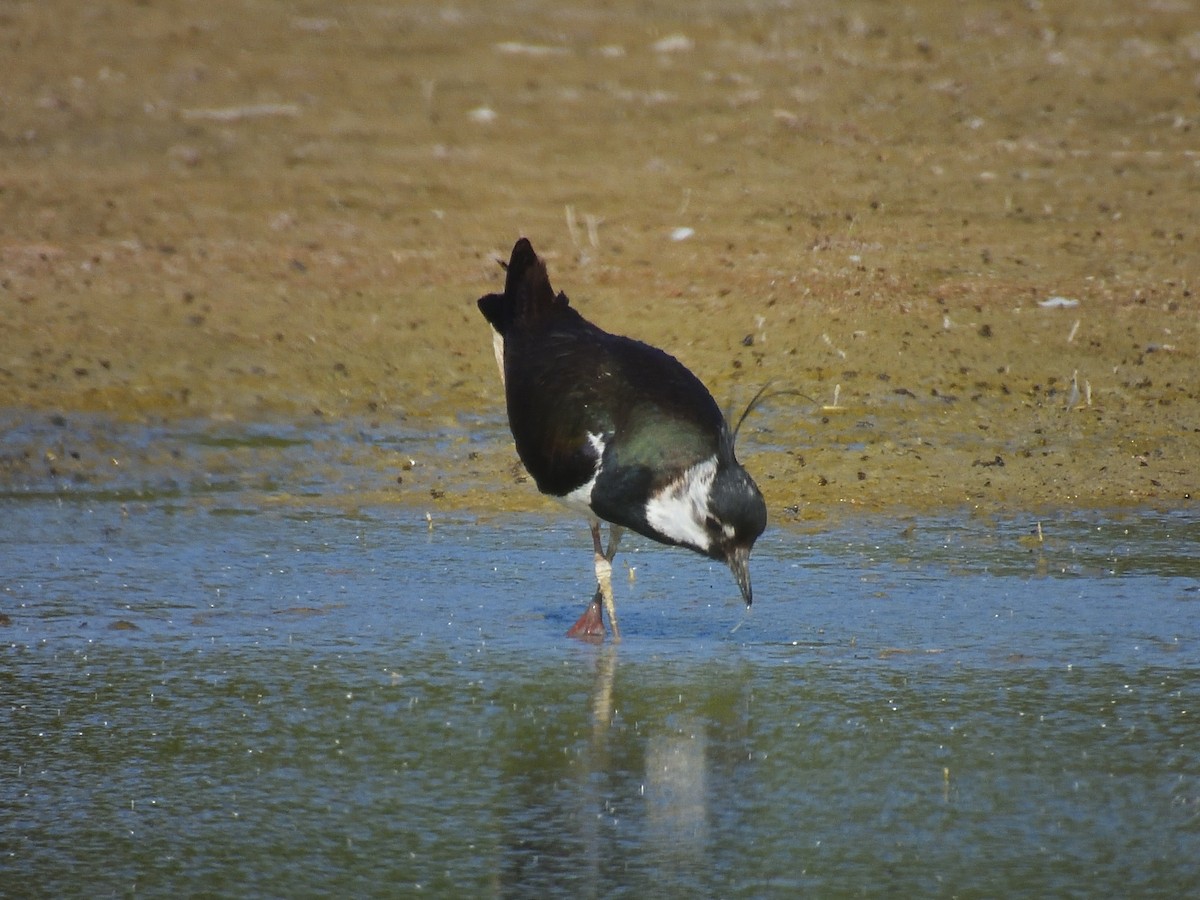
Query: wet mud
point(958, 238)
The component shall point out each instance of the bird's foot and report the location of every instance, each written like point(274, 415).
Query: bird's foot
point(590, 626)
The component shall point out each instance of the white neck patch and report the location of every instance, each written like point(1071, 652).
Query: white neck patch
point(680, 509)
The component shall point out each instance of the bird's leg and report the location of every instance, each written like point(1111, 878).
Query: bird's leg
point(604, 573)
point(614, 539)
point(591, 624)
point(605, 581)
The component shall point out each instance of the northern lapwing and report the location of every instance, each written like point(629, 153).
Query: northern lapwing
point(620, 431)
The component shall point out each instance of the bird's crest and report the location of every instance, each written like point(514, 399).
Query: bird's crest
point(527, 295)
point(764, 394)
point(750, 407)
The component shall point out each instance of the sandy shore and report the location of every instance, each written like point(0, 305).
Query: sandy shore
point(964, 235)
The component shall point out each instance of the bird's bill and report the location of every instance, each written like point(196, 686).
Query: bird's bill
point(739, 563)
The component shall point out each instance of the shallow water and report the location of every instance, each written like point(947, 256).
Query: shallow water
point(206, 693)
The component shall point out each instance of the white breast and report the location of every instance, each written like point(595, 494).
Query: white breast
point(681, 508)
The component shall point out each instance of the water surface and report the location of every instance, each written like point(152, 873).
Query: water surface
point(213, 695)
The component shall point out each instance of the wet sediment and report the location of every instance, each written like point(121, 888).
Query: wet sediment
point(962, 236)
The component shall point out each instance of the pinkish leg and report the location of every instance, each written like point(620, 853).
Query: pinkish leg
point(590, 626)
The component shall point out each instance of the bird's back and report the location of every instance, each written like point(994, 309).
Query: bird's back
point(566, 379)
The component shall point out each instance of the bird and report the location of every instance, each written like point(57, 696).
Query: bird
point(620, 431)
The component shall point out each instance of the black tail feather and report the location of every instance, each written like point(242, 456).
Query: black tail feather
point(527, 292)
point(522, 264)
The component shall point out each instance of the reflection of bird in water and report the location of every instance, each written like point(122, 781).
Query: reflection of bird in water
point(620, 431)
point(625, 790)
point(676, 789)
point(602, 693)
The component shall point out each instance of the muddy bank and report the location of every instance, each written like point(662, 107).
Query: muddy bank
point(965, 235)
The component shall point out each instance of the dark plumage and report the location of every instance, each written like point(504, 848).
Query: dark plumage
point(619, 430)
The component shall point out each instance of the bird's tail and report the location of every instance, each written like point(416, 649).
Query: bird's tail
point(527, 293)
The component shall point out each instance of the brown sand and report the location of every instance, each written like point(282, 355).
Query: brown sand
point(260, 211)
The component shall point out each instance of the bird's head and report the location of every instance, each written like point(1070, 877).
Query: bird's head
point(735, 518)
point(715, 508)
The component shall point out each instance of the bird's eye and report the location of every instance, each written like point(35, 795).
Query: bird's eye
point(719, 529)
